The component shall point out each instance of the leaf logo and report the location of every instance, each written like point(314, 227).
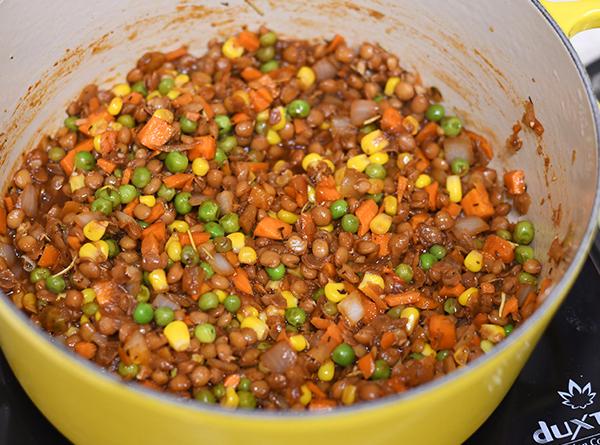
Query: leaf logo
point(577, 397)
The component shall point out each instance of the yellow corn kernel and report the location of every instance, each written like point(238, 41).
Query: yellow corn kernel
point(97, 315)
point(335, 292)
point(164, 114)
point(287, 217)
point(174, 250)
point(325, 125)
point(231, 399)
point(305, 395)
point(371, 278)
point(427, 350)
point(423, 181)
point(358, 162)
point(181, 80)
point(390, 85)
point(374, 142)
point(115, 126)
point(280, 112)
point(158, 280)
point(89, 295)
point(257, 325)
point(272, 137)
point(103, 249)
point(380, 158)
point(238, 240)
point(247, 255)
point(173, 94)
point(381, 224)
point(76, 182)
point(200, 167)
point(474, 261)
point(84, 319)
point(179, 226)
point(465, 296)
point(98, 127)
point(310, 159)
point(454, 187)
point(486, 346)
point(412, 315)
point(152, 94)
point(328, 228)
point(311, 194)
point(244, 96)
point(298, 342)
point(349, 394)
point(290, 299)
point(326, 371)
point(71, 331)
point(94, 230)
point(122, 89)
point(97, 141)
point(178, 335)
point(148, 200)
point(263, 116)
point(96, 251)
point(492, 332)
point(247, 311)
point(306, 76)
point(330, 164)
point(232, 49)
point(390, 205)
point(404, 159)
point(412, 123)
point(115, 106)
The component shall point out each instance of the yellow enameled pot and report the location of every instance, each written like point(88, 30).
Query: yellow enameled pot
point(486, 56)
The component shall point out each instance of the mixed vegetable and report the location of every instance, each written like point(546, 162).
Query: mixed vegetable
point(277, 224)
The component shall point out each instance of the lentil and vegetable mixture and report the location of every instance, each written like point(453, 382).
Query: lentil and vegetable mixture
point(277, 224)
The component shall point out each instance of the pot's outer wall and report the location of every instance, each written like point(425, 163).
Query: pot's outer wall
point(486, 57)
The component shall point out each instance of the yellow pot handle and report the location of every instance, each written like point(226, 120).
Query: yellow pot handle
point(574, 16)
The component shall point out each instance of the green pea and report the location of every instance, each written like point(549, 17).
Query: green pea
point(524, 232)
point(459, 166)
point(523, 253)
point(140, 87)
point(508, 329)
point(427, 260)
point(368, 128)
point(143, 313)
point(219, 390)
point(504, 234)
point(56, 154)
point(70, 123)
point(188, 126)
point(265, 54)
point(268, 39)
point(338, 208)
point(452, 126)
point(382, 370)
point(395, 312)
point(295, 316)
point(232, 303)
point(113, 248)
point(38, 274)
point(441, 355)
point(143, 224)
point(261, 127)
point(208, 270)
point(246, 400)
point(143, 295)
point(84, 160)
point(214, 229)
point(176, 162)
point(298, 108)
point(269, 66)
point(376, 171)
point(90, 308)
point(111, 195)
point(276, 273)
point(350, 223)
point(435, 112)
point(118, 173)
point(245, 384)
point(230, 222)
point(320, 292)
point(224, 123)
point(205, 333)
point(377, 197)
point(220, 157)
point(127, 193)
point(527, 278)
point(141, 177)
point(166, 193)
point(126, 120)
point(128, 371)
point(416, 356)
point(102, 205)
point(189, 256)
point(208, 211)
point(208, 301)
point(164, 315)
point(343, 355)
point(378, 98)
point(182, 203)
point(205, 396)
point(438, 251)
point(330, 309)
point(165, 85)
point(405, 272)
point(227, 144)
point(450, 306)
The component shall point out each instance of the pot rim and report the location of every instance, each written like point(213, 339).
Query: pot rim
point(93, 371)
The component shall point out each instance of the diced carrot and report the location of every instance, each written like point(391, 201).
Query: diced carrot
point(326, 191)
point(320, 323)
point(241, 281)
point(105, 291)
point(300, 126)
point(322, 405)
point(273, 229)
point(370, 308)
point(204, 147)
point(428, 132)
point(106, 165)
point(86, 349)
point(240, 117)
point(198, 237)
point(499, 248)
point(178, 180)
point(95, 117)
point(374, 293)
point(49, 256)
point(232, 380)
point(402, 185)
point(391, 120)
point(258, 166)
point(453, 209)
point(365, 214)
point(134, 98)
point(477, 202)
point(452, 291)
point(68, 162)
point(126, 176)
point(333, 333)
point(514, 181)
point(422, 162)
point(9, 204)
point(248, 40)
point(419, 218)
point(158, 230)
point(261, 99)
point(176, 53)
point(156, 212)
point(318, 392)
point(412, 297)
point(250, 73)
point(93, 104)
point(3, 225)
point(387, 339)
point(184, 99)
point(510, 307)
point(335, 42)
point(529, 305)
point(73, 242)
point(155, 133)
point(208, 110)
point(481, 143)
point(432, 192)
point(442, 332)
point(366, 365)
point(128, 210)
point(480, 319)
point(151, 245)
point(383, 242)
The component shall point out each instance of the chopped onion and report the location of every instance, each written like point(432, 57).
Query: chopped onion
point(469, 225)
point(225, 201)
point(351, 307)
point(135, 349)
point(162, 300)
point(324, 69)
point(83, 218)
point(459, 147)
point(341, 125)
point(8, 253)
point(30, 200)
point(221, 266)
point(279, 358)
point(362, 110)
